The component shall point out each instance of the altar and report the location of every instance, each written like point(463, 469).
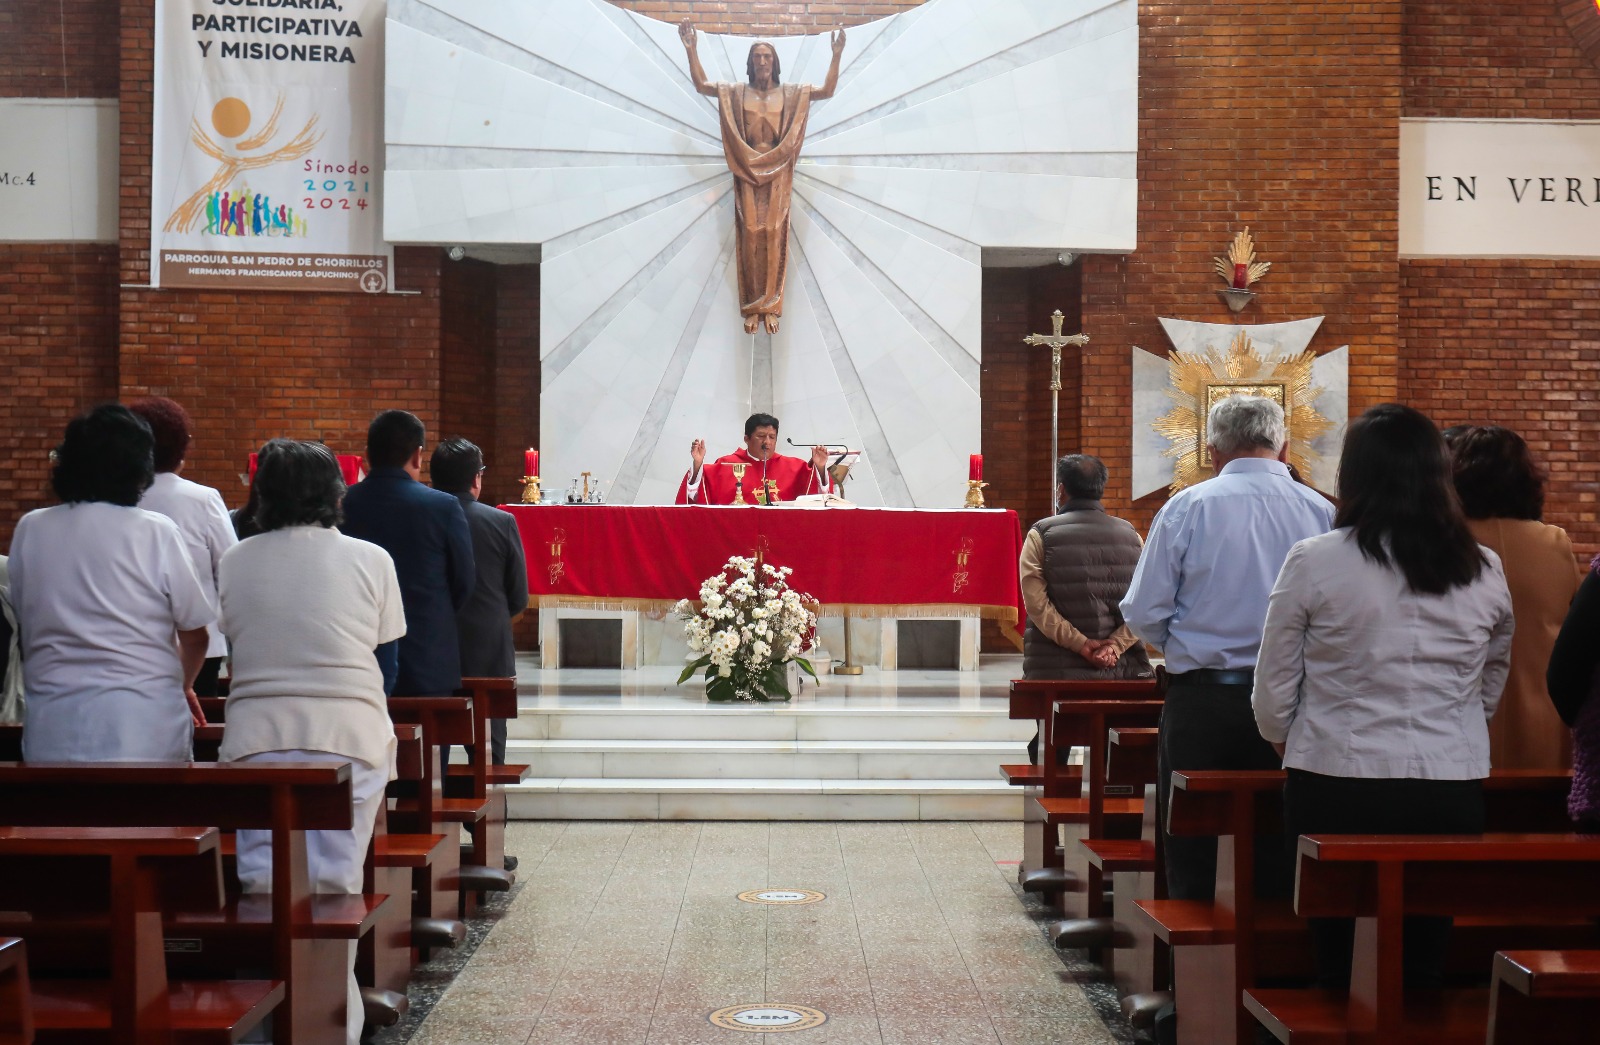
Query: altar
point(883, 563)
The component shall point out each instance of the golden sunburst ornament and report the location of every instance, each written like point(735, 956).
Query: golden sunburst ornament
point(1198, 381)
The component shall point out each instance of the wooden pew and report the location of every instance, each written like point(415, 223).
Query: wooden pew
point(65, 878)
point(1219, 948)
point(478, 777)
point(301, 936)
point(1130, 864)
point(16, 1009)
point(1043, 868)
point(1552, 997)
point(422, 807)
point(385, 952)
point(1379, 880)
point(1091, 813)
point(492, 698)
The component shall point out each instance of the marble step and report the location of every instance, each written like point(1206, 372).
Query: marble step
point(643, 798)
point(840, 760)
point(768, 724)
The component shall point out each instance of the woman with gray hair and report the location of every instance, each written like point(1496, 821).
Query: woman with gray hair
point(305, 607)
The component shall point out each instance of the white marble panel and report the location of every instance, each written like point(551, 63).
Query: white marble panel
point(708, 723)
point(999, 209)
point(452, 97)
point(578, 283)
point(581, 41)
point(711, 402)
point(938, 281)
point(1152, 469)
point(1020, 113)
point(1331, 373)
point(809, 398)
point(955, 44)
point(533, 206)
point(725, 765)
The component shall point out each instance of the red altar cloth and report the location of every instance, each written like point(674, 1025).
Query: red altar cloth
point(868, 562)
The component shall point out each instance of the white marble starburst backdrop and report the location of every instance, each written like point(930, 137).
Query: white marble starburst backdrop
point(571, 128)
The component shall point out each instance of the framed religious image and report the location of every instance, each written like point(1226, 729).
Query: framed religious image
point(1216, 393)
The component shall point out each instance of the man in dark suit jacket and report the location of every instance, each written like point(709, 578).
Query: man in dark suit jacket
point(501, 591)
point(425, 532)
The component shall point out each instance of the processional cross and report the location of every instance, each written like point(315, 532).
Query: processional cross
point(1057, 341)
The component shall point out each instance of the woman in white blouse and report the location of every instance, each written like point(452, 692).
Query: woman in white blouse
point(1385, 650)
point(304, 607)
point(112, 617)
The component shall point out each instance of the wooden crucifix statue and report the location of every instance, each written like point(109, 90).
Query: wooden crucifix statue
point(1057, 341)
point(763, 126)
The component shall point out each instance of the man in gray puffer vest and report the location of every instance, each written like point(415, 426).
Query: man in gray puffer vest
point(1075, 569)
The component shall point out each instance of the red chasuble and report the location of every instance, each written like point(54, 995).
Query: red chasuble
point(795, 478)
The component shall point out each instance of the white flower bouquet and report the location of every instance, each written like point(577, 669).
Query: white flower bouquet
point(750, 624)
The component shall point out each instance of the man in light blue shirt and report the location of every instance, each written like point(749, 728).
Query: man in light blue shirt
point(1200, 594)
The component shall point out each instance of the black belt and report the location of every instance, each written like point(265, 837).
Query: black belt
point(1215, 677)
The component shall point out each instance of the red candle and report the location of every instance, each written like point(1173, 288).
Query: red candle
point(1241, 277)
point(531, 462)
point(975, 468)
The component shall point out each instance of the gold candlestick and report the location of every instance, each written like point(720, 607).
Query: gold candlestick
point(738, 486)
point(585, 485)
point(530, 489)
point(974, 493)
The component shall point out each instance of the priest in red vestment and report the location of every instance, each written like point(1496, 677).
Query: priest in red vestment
point(714, 482)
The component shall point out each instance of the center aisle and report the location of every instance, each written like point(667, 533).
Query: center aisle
point(635, 934)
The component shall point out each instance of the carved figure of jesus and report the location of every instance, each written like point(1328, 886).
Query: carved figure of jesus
point(763, 126)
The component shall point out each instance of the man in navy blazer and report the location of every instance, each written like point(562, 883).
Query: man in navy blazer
point(426, 534)
point(501, 591)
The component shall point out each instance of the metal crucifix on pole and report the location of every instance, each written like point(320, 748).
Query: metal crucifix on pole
point(1057, 341)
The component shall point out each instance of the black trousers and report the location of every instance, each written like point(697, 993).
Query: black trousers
point(1317, 804)
point(205, 683)
point(1212, 727)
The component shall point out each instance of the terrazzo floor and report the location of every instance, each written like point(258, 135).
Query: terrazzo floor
point(634, 933)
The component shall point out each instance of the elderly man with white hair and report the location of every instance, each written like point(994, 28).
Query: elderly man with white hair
point(1200, 594)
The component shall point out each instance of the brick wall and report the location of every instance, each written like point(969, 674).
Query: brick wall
point(58, 338)
point(58, 49)
point(1488, 343)
point(1515, 343)
point(466, 352)
point(58, 302)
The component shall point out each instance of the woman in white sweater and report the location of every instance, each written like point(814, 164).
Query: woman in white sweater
point(1385, 650)
point(304, 607)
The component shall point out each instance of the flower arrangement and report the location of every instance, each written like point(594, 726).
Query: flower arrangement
point(749, 626)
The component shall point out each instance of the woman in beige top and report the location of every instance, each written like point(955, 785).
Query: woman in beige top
point(1502, 491)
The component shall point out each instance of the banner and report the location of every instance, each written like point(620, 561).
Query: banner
point(58, 170)
point(268, 146)
point(1499, 188)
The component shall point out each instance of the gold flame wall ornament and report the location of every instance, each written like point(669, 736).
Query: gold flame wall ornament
point(1239, 269)
point(1199, 380)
